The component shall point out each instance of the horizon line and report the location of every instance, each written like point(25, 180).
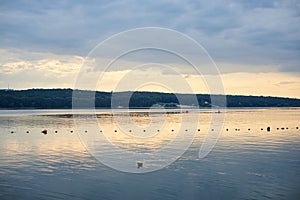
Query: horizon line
point(249, 95)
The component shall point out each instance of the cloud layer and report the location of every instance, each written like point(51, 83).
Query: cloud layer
point(53, 37)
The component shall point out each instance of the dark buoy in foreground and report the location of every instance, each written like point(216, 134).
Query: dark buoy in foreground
point(139, 164)
point(268, 128)
point(45, 131)
point(297, 127)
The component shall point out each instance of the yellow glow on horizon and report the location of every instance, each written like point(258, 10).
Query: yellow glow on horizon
point(240, 83)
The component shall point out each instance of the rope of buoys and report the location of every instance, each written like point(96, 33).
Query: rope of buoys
point(268, 129)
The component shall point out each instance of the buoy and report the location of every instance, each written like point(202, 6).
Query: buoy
point(277, 128)
point(186, 130)
point(71, 131)
point(226, 129)
point(55, 131)
point(157, 130)
point(116, 131)
point(282, 128)
point(100, 131)
point(172, 130)
point(11, 132)
point(212, 129)
point(129, 131)
point(268, 128)
point(144, 130)
point(198, 129)
point(287, 128)
point(45, 131)
point(27, 131)
point(85, 131)
point(249, 129)
point(139, 164)
point(297, 127)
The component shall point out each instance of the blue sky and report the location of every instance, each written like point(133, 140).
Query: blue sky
point(259, 36)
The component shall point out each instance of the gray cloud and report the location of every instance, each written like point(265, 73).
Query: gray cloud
point(257, 32)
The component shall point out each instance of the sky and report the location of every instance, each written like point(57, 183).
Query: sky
point(255, 44)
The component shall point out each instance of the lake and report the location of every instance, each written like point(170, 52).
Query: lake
point(248, 161)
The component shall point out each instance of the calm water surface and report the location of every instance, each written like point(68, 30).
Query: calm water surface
point(245, 164)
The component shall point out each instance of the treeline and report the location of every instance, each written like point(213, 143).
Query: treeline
point(62, 98)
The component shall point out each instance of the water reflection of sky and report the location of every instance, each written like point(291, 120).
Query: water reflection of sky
point(244, 164)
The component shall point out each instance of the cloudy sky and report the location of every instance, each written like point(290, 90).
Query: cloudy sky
point(254, 43)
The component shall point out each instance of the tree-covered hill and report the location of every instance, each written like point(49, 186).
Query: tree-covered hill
point(62, 98)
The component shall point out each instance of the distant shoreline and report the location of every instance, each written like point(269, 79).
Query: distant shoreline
point(63, 98)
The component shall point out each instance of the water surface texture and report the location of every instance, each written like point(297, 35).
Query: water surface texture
point(248, 162)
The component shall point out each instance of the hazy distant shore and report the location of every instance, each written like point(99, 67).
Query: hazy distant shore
point(62, 99)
